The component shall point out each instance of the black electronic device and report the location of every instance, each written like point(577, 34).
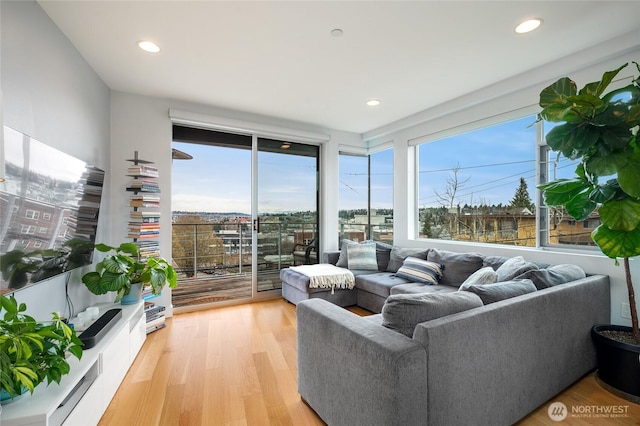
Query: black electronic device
point(96, 331)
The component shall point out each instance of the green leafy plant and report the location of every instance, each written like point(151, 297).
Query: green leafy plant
point(600, 129)
point(123, 267)
point(32, 352)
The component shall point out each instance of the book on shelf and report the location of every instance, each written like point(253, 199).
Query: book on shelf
point(158, 320)
point(154, 316)
point(143, 226)
point(141, 203)
point(144, 213)
point(146, 219)
point(143, 170)
point(155, 328)
point(143, 234)
point(154, 310)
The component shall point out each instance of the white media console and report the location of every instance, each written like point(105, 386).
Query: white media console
point(85, 393)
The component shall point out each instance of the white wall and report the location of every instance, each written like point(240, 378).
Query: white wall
point(50, 93)
point(518, 93)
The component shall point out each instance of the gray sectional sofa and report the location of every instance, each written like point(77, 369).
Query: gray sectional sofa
point(437, 355)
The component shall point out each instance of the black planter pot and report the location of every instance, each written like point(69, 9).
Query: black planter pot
point(618, 363)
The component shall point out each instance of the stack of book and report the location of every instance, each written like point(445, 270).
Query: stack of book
point(143, 170)
point(155, 316)
point(143, 185)
point(144, 224)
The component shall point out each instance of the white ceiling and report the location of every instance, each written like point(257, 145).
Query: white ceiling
point(279, 58)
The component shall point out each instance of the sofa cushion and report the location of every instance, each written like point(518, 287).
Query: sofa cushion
point(484, 275)
point(457, 266)
point(494, 261)
point(513, 267)
point(379, 283)
point(491, 293)
point(420, 271)
point(402, 312)
point(554, 275)
point(399, 254)
point(362, 256)
point(383, 252)
point(343, 260)
point(416, 288)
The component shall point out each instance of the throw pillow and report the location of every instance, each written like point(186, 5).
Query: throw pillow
point(554, 275)
point(362, 256)
point(420, 271)
point(491, 293)
point(342, 260)
point(402, 312)
point(513, 267)
point(482, 276)
point(398, 255)
point(458, 266)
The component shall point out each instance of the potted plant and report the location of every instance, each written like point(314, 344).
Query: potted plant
point(124, 272)
point(32, 352)
point(600, 130)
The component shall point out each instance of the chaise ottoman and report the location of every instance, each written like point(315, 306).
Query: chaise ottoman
point(296, 285)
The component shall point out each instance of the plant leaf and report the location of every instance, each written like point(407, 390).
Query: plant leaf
point(617, 243)
point(621, 215)
point(580, 206)
point(558, 92)
point(629, 175)
point(561, 191)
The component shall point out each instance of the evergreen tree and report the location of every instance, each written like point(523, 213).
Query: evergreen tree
point(522, 198)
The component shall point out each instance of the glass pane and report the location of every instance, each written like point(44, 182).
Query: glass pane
point(287, 208)
point(354, 197)
point(381, 218)
point(211, 218)
point(478, 186)
point(564, 229)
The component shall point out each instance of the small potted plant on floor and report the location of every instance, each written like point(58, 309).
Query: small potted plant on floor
point(600, 129)
point(124, 272)
point(30, 351)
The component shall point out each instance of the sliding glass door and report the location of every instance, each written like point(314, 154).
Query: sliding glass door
point(287, 213)
point(242, 207)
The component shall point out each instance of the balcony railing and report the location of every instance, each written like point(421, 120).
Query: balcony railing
point(223, 249)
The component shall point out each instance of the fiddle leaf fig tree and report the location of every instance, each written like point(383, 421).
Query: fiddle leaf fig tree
point(600, 130)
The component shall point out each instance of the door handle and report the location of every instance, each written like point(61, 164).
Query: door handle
point(256, 224)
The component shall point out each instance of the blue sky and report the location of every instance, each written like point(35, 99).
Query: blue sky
point(219, 180)
point(491, 160)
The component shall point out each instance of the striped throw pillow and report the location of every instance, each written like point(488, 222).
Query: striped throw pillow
point(421, 271)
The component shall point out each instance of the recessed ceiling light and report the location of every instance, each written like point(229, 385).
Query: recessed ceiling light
point(373, 102)
point(528, 25)
point(337, 32)
point(148, 46)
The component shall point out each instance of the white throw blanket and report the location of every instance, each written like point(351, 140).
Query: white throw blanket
point(324, 275)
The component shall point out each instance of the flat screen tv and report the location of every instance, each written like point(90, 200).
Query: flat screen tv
point(49, 208)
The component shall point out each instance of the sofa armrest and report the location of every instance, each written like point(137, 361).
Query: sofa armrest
point(495, 364)
point(331, 257)
point(354, 371)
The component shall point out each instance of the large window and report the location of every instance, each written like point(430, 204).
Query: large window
point(480, 185)
point(366, 197)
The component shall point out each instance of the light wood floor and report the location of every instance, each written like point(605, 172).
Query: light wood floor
point(237, 366)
